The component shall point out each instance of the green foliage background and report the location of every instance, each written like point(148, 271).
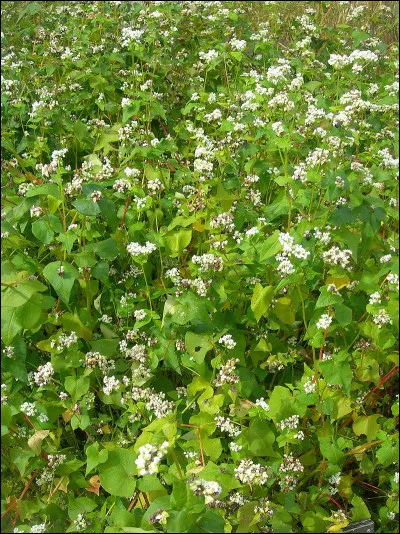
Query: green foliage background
point(251, 148)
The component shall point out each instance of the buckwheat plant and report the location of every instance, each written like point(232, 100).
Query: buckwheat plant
point(200, 272)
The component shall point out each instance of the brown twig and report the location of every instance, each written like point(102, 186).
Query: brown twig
point(134, 500)
point(125, 210)
point(383, 381)
point(22, 494)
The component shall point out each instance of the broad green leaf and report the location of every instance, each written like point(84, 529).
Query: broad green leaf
point(117, 474)
point(261, 300)
point(62, 284)
point(177, 241)
point(337, 371)
point(95, 456)
point(77, 387)
point(367, 425)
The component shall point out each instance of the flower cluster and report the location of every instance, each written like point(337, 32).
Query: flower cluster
point(150, 457)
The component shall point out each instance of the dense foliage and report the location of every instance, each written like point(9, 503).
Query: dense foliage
point(200, 268)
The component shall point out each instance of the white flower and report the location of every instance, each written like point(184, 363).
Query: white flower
point(386, 259)
point(208, 488)
point(36, 211)
point(227, 341)
point(309, 386)
point(135, 249)
point(110, 384)
point(375, 298)
point(96, 196)
point(149, 458)
point(43, 374)
point(262, 404)
point(28, 408)
point(324, 321)
point(139, 315)
point(250, 473)
point(381, 318)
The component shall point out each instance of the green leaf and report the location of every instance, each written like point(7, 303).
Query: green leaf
point(106, 249)
point(270, 247)
point(177, 241)
point(72, 323)
point(117, 474)
point(261, 300)
point(62, 284)
point(21, 292)
point(44, 189)
point(283, 309)
point(360, 509)
point(198, 345)
point(95, 457)
point(31, 9)
point(331, 451)
point(77, 387)
point(86, 207)
point(343, 314)
point(367, 425)
point(20, 458)
point(337, 371)
point(260, 438)
point(150, 483)
point(80, 505)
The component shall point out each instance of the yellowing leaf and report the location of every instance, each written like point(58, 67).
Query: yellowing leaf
point(339, 282)
point(35, 442)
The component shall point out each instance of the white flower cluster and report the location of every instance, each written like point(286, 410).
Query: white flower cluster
point(290, 423)
point(121, 185)
point(309, 386)
point(135, 249)
point(334, 481)
point(227, 374)
point(264, 509)
point(262, 404)
point(250, 473)
point(28, 408)
point(54, 460)
point(149, 458)
point(9, 352)
point(207, 57)
point(110, 384)
point(139, 315)
point(80, 522)
point(223, 220)
point(41, 527)
point(238, 44)
point(324, 321)
point(208, 488)
point(208, 262)
point(387, 258)
point(335, 256)
point(130, 35)
point(375, 298)
point(226, 425)
point(45, 477)
point(227, 341)
point(285, 266)
point(382, 318)
point(36, 211)
point(43, 374)
point(137, 353)
point(393, 280)
point(64, 341)
point(95, 359)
